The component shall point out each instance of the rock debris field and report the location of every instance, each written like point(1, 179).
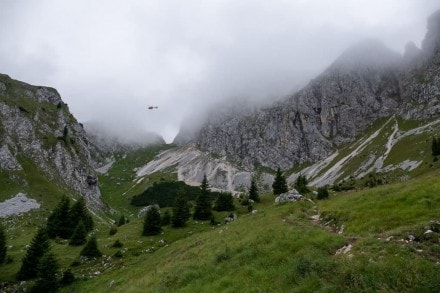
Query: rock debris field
point(17, 205)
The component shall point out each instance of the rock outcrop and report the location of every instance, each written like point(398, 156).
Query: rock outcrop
point(37, 129)
point(365, 83)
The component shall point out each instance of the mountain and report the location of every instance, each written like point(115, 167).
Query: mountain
point(366, 83)
point(40, 137)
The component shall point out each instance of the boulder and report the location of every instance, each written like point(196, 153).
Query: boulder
point(292, 195)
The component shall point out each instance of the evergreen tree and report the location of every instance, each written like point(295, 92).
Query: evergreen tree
point(301, 184)
point(166, 218)
point(121, 221)
point(38, 247)
point(152, 221)
point(224, 202)
point(279, 185)
point(58, 223)
point(253, 191)
point(204, 186)
point(67, 278)
point(435, 147)
point(47, 274)
point(322, 193)
point(79, 212)
point(3, 247)
point(180, 212)
point(203, 207)
point(91, 248)
point(79, 234)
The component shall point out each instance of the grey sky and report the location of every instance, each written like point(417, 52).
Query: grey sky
point(112, 59)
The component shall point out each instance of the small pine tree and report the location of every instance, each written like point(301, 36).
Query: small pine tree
point(113, 231)
point(47, 274)
point(166, 218)
point(67, 278)
point(203, 209)
point(435, 147)
point(180, 212)
point(79, 212)
point(38, 247)
point(121, 221)
point(58, 222)
point(79, 235)
point(117, 244)
point(3, 247)
point(253, 191)
point(152, 222)
point(279, 185)
point(301, 184)
point(322, 193)
point(224, 202)
point(91, 248)
point(204, 186)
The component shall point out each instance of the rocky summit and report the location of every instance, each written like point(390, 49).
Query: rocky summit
point(37, 131)
point(367, 82)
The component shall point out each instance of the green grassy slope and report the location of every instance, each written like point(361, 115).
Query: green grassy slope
point(280, 249)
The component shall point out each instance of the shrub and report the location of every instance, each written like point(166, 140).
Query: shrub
point(152, 222)
point(113, 231)
point(117, 244)
point(67, 278)
point(91, 248)
point(322, 193)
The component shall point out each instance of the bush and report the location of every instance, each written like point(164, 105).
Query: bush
point(322, 193)
point(117, 244)
point(224, 202)
point(67, 278)
point(122, 221)
point(118, 254)
point(152, 222)
point(91, 248)
point(113, 231)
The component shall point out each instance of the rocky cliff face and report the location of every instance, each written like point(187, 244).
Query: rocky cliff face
point(37, 128)
point(367, 82)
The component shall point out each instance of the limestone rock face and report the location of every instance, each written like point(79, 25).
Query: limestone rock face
point(365, 83)
point(37, 128)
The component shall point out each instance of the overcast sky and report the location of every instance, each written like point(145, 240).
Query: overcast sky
point(110, 60)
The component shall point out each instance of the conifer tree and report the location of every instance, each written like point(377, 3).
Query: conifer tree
point(38, 247)
point(47, 274)
point(166, 218)
point(203, 209)
point(58, 223)
point(253, 191)
point(79, 234)
point(79, 211)
point(91, 248)
point(121, 221)
point(152, 222)
point(301, 184)
point(3, 247)
point(279, 185)
point(435, 147)
point(180, 212)
point(224, 202)
point(322, 193)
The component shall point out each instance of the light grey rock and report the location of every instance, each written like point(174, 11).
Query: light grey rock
point(35, 131)
point(290, 196)
point(7, 160)
point(17, 205)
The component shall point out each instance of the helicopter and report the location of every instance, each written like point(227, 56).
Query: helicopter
point(152, 107)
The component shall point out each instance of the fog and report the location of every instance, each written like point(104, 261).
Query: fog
point(110, 60)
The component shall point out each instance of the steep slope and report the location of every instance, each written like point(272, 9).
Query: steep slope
point(39, 137)
point(366, 83)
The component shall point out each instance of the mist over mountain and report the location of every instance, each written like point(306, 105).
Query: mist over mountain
point(368, 81)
